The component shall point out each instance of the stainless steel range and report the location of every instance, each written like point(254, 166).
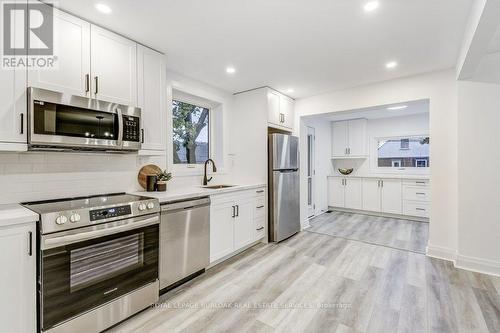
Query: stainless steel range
point(97, 260)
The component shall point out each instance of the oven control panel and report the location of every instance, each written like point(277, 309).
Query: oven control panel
point(106, 213)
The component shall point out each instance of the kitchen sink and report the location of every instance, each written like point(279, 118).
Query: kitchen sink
point(217, 187)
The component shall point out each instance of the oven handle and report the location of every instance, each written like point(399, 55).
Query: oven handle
point(49, 243)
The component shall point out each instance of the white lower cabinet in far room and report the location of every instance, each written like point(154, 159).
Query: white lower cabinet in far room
point(344, 192)
point(236, 222)
point(18, 278)
point(382, 195)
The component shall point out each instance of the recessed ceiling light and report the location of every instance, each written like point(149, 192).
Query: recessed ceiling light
point(103, 8)
point(230, 70)
point(398, 107)
point(371, 6)
point(391, 64)
point(289, 91)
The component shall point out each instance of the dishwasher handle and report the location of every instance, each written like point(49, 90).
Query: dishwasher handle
point(186, 204)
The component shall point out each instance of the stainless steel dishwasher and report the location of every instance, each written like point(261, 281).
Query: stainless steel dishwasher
point(184, 240)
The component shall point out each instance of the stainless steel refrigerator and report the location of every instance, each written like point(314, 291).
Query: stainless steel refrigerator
point(284, 179)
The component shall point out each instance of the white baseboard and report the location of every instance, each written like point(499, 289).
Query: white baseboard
point(479, 265)
point(440, 252)
point(473, 264)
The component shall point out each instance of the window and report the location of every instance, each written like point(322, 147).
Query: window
point(403, 152)
point(190, 133)
point(396, 163)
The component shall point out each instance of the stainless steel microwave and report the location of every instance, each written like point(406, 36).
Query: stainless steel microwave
point(62, 122)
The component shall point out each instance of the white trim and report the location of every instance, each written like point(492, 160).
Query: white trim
point(394, 162)
point(441, 253)
point(478, 265)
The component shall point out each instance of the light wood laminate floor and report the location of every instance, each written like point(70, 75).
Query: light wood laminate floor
point(396, 233)
point(319, 283)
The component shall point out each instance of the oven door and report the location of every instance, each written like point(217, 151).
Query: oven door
point(84, 268)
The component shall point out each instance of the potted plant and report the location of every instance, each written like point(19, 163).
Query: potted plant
point(162, 179)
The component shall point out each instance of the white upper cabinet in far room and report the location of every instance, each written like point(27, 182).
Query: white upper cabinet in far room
point(151, 98)
point(280, 110)
point(349, 139)
point(72, 48)
point(114, 67)
point(13, 105)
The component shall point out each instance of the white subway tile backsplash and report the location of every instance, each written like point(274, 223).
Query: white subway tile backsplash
point(37, 176)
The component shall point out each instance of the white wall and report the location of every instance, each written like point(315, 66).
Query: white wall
point(478, 176)
point(441, 89)
point(416, 124)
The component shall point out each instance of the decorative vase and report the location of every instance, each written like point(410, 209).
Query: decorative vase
point(161, 186)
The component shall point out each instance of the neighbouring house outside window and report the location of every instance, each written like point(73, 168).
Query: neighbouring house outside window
point(191, 133)
point(403, 152)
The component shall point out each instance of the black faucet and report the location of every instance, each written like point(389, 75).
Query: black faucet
point(214, 169)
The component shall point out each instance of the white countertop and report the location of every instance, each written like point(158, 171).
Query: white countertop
point(193, 192)
point(386, 176)
point(12, 214)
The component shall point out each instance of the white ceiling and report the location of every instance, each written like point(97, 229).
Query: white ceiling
point(377, 112)
point(311, 46)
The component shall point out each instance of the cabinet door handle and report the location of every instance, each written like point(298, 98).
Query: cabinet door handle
point(96, 84)
point(87, 83)
point(30, 243)
point(142, 135)
point(420, 193)
point(378, 183)
point(382, 183)
point(421, 209)
point(422, 183)
point(22, 123)
point(284, 118)
point(261, 206)
point(237, 210)
point(260, 228)
point(349, 151)
point(233, 211)
point(260, 191)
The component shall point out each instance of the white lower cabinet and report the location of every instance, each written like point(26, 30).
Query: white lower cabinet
point(18, 278)
point(410, 197)
point(382, 195)
point(345, 192)
point(237, 220)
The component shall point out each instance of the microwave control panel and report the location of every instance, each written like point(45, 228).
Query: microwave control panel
point(131, 129)
point(106, 213)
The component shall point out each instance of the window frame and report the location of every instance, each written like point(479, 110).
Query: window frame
point(374, 168)
point(209, 135)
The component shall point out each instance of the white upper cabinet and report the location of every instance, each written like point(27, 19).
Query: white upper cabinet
point(18, 278)
point(13, 106)
point(286, 109)
point(114, 67)
point(339, 138)
point(280, 110)
point(349, 139)
point(357, 140)
point(71, 74)
point(273, 104)
point(151, 97)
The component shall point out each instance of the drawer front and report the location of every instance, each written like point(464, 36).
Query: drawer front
point(415, 208)
point(416, 193)
point(260, 207)
point(416, 182)
point(260, 228)
point(238, 195)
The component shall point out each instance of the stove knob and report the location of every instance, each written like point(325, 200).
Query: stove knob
point(142, 207)
point(75, 217)
point(61, 219)
point(151, 205)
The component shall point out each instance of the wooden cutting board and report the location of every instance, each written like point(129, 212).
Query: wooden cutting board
point(145, 171)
